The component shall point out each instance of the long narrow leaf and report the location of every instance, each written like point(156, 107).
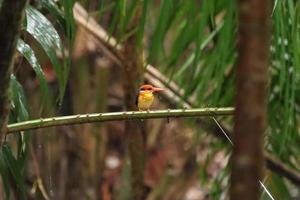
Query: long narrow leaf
point(46, 35)
point(19, 113)
point(19, 105)
point(4, 171)
point(70, 32)
point(28, 53)
point(51, 6)
point(14, 169)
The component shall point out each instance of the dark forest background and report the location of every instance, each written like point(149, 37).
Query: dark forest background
point(77, 57)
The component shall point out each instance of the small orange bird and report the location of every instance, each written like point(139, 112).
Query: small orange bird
point(145, 97)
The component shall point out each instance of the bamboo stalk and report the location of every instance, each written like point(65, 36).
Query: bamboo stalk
point(116, 116)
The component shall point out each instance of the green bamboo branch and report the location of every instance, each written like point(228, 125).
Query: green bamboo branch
point(116, 116)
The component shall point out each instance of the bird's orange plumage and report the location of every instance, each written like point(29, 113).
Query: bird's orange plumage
point(145, 97)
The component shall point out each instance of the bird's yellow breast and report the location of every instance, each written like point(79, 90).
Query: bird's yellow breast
point(145, 100)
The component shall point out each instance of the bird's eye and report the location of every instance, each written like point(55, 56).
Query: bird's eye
point(142, 89)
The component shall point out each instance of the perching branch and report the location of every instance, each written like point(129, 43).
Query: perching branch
point(116, 116)
point(272, 163)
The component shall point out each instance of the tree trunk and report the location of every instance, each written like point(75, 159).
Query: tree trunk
point(10, 19)
point(134, 130)
point(250, 116)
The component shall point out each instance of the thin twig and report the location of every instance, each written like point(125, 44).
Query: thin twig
point(276, 165)
point(116, 116)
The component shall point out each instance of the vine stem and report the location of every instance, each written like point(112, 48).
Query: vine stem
point(116, 116)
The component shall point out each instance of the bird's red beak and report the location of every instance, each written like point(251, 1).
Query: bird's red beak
point(155, 89)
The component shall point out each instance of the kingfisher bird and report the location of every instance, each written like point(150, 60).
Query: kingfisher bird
point(145, 97)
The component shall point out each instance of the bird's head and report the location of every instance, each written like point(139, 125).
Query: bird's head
point(149, 89)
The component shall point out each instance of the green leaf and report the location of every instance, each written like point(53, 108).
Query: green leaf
point(28, 53)
point(19, 113)
point(284, 86)
point(202, 46)
point(142, 23)
point(14, 168)
point(19, 104)
point(46, 35)
point(163, 23)
point(187, 34)
point(123, 16)
point(70, 33)
point(4, 171)
point(51, 6)
point(204, 16)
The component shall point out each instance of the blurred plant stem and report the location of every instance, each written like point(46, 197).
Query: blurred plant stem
point(100, 139)
point(11, 15)
point(135, 131)
point(251, 97)
point(90, 75)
